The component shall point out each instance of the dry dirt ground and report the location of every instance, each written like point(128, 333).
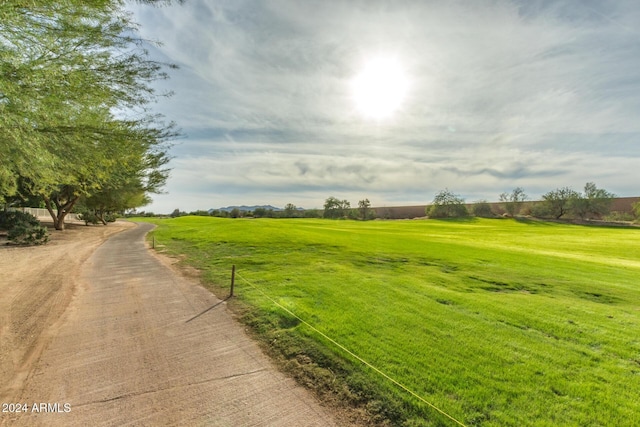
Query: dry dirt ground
point(95, 333)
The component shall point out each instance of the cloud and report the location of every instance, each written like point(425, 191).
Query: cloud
point(538, 94)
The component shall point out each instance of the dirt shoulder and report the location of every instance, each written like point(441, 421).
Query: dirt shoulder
point(37, 284)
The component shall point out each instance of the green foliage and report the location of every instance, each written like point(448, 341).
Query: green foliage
point(66, 67)
point(177, 213)
point(557, 203)
point(87, 215)
point(219, 213)
point(616, 216)
point(23, 228)
point(540, 210)
point(312, 213)
point(260, 212)
point(636, 210)
point(364, 206)
point(513, 201)
point(594, 203)
point(8, 182)
point(447, 205)
point(290, 211)
point(495, 322)
point(336, 209)
point(482, 209)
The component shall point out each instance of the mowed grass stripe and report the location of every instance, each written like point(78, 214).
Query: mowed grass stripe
point(497, 322)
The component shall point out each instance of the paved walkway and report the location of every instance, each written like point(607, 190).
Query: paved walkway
point(127, 354)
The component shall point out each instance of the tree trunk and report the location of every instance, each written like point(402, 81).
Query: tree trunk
point(47, 203)
point(100, 215)
point(61, 211)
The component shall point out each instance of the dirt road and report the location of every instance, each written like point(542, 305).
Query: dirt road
point(131, 350)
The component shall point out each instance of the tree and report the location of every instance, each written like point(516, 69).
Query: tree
point(334, 208)
point(447, 205)
point(558, 202)
point(513, 201)
point(363, 207)
point(138, 172)
point(114, 172)
point(290, 211)
point(66, 68)
point(594, 203)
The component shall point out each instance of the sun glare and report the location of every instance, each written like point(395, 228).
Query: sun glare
point(380, 88)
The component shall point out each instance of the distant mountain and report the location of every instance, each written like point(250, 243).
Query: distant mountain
point(244, 208)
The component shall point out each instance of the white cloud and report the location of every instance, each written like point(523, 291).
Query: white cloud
point(538, 94)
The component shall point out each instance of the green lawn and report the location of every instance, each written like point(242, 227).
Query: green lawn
point(495, 322)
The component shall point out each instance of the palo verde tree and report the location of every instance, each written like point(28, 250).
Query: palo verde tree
point(115, 198)
point(513, 201)
point(140, 170)
point(71, 72)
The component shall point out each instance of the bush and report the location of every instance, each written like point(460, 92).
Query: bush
point(23, 228)
point(88, 216)
point(540, 210)
point(482, 209)
point(353, 214)
point(616, 216)
point(312, 213)
point(447, 205)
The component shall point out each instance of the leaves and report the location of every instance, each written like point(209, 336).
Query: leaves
point(446, 204)
point(72, 75)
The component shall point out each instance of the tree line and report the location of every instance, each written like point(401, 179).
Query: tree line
point(564, 202)
point(75, 128)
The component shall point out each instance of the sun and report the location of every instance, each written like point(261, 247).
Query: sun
point(380, 88)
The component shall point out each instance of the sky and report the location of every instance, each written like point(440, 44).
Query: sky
point(296, 101)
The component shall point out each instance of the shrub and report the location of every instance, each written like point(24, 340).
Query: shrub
point(616, 216)
point(88, 216)
point(23, 228)
point(482, 209)
point(636, 211)
point(312, 213)
point(540, 210)
point(447, 205)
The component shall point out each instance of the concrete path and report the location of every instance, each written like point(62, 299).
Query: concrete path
point(127, 353)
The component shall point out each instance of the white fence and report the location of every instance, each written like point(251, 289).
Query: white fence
point(41, 213)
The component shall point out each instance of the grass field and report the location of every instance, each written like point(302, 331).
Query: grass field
point(495, 322)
